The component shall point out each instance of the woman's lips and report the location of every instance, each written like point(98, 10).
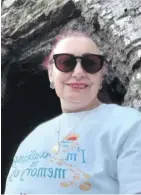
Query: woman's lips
point(78, 85)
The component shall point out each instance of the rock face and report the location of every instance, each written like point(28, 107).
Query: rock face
point(28, 31)
point(29, 27)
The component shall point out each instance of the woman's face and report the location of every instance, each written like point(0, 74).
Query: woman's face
point(72, 97)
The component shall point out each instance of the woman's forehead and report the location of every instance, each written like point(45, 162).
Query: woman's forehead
point(77, 46)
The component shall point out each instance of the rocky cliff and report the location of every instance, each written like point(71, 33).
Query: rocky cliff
point(28, 31)
point(29, 27)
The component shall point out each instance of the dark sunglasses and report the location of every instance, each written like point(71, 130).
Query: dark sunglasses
point(91, 63)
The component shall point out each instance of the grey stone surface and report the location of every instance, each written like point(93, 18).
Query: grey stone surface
point(133, 95)
point(29, 28)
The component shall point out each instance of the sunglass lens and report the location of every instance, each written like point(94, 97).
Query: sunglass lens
point(65, 63)
point(92, 63)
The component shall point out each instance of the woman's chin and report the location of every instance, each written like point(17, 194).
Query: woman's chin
point(77, 99)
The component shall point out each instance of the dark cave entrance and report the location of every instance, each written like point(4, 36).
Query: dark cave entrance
point(28, 102)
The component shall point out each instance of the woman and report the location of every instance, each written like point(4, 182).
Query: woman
point(91, 147)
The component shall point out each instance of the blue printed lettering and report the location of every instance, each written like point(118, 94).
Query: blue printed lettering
point(83, 156)
point(15, 173)
point(33, 172)
point(59, 173)
point(22, 175)
point(50, 170)
point(45, 155)
point(42, 172)
point(71, 156)
point(37, 156)
point(30, 157)
point(25, 159)
point(15, 160)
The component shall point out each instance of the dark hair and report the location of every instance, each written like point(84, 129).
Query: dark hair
point(58, 38)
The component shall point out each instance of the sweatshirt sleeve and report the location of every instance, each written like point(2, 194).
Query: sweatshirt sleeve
point(129, 162)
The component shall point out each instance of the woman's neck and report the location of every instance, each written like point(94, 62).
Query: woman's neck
point(70, 107)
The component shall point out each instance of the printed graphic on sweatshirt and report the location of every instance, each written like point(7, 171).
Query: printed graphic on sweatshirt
point(65, 169)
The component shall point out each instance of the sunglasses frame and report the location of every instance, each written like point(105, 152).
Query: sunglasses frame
point(101, 57)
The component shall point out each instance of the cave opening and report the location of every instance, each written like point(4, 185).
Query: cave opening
point(28, 102)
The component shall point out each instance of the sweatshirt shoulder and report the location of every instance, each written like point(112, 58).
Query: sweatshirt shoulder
point(42, 131)
point(122, 112)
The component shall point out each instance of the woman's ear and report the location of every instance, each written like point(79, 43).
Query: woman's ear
point(104, 70)
point(50, 72)
point(51, 77)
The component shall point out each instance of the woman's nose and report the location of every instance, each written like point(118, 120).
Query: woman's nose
point(78, 70)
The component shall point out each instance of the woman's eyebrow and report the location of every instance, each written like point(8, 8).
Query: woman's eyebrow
point(90, 54)
point(87, 54)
